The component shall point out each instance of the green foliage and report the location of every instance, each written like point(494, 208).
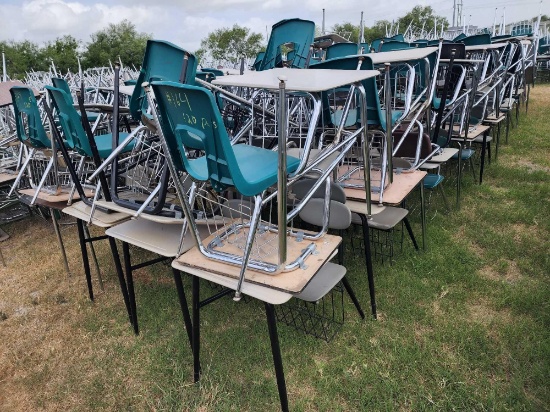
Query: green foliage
point(419, 16)
point(347, 30)
point(64, 53)
point(228, 45)
point(22, 57)
point(120, 39)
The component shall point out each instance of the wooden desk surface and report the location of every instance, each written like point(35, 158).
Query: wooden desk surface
point(472, 134)
point(81, 211)
point(289, 282)
point(52, 198)
point(403, 184)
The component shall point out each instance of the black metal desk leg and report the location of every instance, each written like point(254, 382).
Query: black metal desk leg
point(121, 280)
point(85, 260)
point(196, 330)
point(183, 305)
point(276, 352)
point(60, 241)
point(130, 284)
point(423, 214)
point(483, 148)
point(368, 262)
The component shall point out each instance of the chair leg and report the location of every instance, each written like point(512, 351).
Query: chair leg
point(276, 352)
point(368, 262)
point(411, 234)
point(442, 191)
point(183, 306)
point(120, 275)
point(94, 258)
point(353, 298)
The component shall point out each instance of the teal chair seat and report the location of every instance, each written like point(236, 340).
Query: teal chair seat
point(395, 115)
point(432, 180)
point(92, 116)
point(104, 144)
point(259, 166)
point(466, 154)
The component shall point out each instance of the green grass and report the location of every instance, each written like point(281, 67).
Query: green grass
point(463, 326)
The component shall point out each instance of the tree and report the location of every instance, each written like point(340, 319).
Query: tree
point(64, 53)
point(227, 45)
point(22, 57)
point(347, 30)
point(420, 17)
point(115, 40)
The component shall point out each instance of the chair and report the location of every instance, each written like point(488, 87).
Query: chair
point(162, 61)
point(190, 119)
point(296, 32)
point(62, 84)
point(341, 50)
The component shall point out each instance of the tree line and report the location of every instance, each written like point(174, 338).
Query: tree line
point(105, 45)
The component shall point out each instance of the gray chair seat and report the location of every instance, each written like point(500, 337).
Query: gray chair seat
point(323, 282)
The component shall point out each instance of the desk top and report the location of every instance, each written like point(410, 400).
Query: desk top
point(403, 55)
point(463, 61)
point(299, 80)
point(53, 198)
point(472, 134)
point(81, 211)
point(485, 46)
point(289, 282)
point(7, 177)
point(5, 95)
point(158, 238)
point(403, 184)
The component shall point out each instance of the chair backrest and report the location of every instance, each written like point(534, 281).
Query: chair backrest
point(61, 83)
point(476, 40)
point(341, 50)
point(258, 62)
point(28, 122)
point(191, 120)
point(299, 33)
point(162, 61)
point(70, 122)
point(392, 45)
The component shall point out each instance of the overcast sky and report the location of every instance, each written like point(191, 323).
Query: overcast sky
point(186, 22)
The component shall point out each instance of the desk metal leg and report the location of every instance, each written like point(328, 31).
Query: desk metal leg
point(120, 274)
point(459, 176)
point(94, 258)
point(130, 285)
point(184, 307)
point(498, 141)
point(196, 330)
point(483, 150)
point(423, 213)
point(85, 260)
point(276, 352)
point(368, 262)
point(60, 240)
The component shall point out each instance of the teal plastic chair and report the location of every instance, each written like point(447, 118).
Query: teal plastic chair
point(26, 106)
point(341, 50)
point(191, 120)
point(258, 62)
point(476, 40)
point(392, 45)
point(296, 31)
point(60, 83)
point(162, 61)
point(74, 132)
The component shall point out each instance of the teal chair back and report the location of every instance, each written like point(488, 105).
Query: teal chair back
point(375, 116)
point(366, 48)
point(70, 122)
point(459, 37)
point(258, 61)
point(299, 33)
point(476, 40)
point(28, 123)
point(61, 83)
point(162, 61)
point(392, 45)
point(341, 50)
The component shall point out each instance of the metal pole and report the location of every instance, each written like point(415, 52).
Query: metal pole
point(282, 175)
point(389, 137)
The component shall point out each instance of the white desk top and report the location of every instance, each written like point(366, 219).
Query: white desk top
point(299, 80)
point(486, 46)
point(403, 55)
point(159, 238)
point(82, 211)
point(463, 61)
point(263, 293)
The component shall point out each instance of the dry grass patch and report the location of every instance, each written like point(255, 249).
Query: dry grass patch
point(512, 274)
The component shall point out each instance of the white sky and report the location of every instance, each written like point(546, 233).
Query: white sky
point(186, 22)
